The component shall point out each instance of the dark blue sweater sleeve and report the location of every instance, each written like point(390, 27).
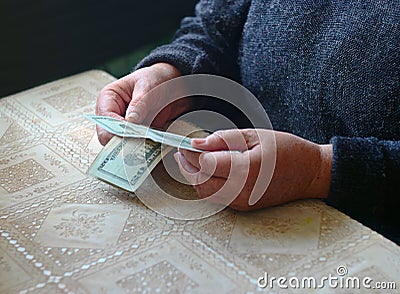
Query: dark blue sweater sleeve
point(206, 42)
point(366, 182)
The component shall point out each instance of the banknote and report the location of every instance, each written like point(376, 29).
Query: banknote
point(129, 130)
point(126, 162)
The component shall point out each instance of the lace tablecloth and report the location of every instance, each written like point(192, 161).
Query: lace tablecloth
point(62, 231)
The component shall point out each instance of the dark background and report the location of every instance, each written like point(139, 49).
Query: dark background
point(45, 40)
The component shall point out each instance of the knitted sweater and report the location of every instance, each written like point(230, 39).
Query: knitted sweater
point(327, 71)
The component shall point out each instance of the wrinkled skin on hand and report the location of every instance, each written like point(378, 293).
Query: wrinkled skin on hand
point(126, 98)
point(302, 168)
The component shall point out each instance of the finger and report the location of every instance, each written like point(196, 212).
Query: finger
point(184, 164)
point(207, 164)
point(191, 157)
point(219, 191)
point(218, 163)
point(112, 101)
point(191, 173)
point(103, 136)
point(138, 107)
point(211, 188)
point(241, 202)
point(109, 103)
point(233, 139)
point(233, 189)
point(208, 187)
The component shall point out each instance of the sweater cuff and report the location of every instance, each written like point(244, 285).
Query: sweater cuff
point(183, 58)
point(358, 177)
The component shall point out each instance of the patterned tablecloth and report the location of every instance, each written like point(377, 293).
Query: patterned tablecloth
point(62, 231)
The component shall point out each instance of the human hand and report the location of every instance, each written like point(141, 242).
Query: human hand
point(125, 98)
point(302, 168)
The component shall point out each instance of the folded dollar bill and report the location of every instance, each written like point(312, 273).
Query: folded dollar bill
point(126, 162)
point(130, 130)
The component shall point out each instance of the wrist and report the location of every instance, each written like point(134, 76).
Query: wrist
point(167, 69)
point(320, 185)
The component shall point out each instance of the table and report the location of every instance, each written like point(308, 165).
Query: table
point(62, 231)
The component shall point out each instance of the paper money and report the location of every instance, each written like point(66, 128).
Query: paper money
point(129, 130)
point(126, 162)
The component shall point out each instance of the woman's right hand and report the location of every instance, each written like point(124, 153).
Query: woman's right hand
point(124, 98)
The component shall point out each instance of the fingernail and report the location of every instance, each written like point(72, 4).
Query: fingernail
point(134, 116)
point(199, 141)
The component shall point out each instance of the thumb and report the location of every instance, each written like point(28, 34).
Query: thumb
point(233, 139)
point(138, 107)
